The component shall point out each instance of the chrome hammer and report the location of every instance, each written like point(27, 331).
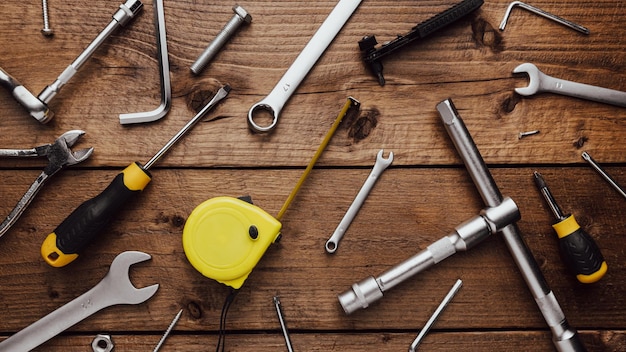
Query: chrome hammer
point(565, 338)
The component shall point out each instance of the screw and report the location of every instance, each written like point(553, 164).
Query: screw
point(241, 16)
point(525, 134)
point(46, 23)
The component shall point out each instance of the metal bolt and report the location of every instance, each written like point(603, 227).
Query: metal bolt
point(525, 134)
point(46, 22)
point(241, 16)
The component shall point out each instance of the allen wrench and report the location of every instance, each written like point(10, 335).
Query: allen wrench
point(541, 13)
point(164, 73)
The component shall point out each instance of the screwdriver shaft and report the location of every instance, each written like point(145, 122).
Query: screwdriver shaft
point(221, 94)
point(547, 195)
point(604, 175)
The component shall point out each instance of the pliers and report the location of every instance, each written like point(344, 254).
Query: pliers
point(59, 155)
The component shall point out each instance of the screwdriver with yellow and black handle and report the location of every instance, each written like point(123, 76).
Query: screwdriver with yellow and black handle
point(578, 249)
point(62, 246)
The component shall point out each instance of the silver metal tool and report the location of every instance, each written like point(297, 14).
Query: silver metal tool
point(59, 156)
point(283, 325)
point(46, 30)
point(446, 300)
point(102, 343)
point(241, 17)
point(37, 107)
point(115, 288)
point(314, 49)
point(465, 236)
point(541, 13)
point(164, 73)
point(540, 83)
point(565, 338)
point(167, 332)
point(381, 165)
point(121, 17)
point(603, 173)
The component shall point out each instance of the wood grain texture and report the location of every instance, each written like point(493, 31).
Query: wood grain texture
point(423, 196)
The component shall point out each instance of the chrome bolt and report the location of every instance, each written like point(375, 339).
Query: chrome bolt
point(46, 22)
point(241, 16)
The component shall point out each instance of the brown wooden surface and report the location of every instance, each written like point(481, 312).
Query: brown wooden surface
point(419, 199)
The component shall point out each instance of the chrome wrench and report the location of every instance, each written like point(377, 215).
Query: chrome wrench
point(540, 82)
point(314, 49)
point(114, 289)
point(381, 164)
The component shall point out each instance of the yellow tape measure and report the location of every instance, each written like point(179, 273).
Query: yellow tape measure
point(224, 238)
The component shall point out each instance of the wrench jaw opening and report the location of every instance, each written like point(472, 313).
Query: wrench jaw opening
point(262, 108)
point(533, 76)
point(118, 277)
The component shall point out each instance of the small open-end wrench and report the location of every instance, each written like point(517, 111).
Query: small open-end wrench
point(114, 289)
point(59, 155)
point(381, 164)
point(314, 49)
point(540, 82)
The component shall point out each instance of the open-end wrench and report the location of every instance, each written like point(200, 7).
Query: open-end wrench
point(314, 49)
point(114, 289)
point(381, 164)
point(540, 82)
point(59, 156)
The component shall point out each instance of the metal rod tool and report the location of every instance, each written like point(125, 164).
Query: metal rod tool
point(283, 325)
point(603, 173)
point(164, 73)
point(465, 236)
point(446, 300)
point(565, 338)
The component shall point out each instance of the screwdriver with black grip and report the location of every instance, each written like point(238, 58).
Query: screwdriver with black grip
point(62, 246)
point(578, 249)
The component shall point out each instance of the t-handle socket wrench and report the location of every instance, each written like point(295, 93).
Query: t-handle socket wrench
point(38, 106)
point(465, 236)
point(565, 338)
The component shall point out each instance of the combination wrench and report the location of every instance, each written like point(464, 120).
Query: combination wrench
point(381, 164)
point(314, 49)
point(114, 289)
point(540, 82)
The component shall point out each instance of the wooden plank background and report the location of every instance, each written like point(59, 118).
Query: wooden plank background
point(419, 199)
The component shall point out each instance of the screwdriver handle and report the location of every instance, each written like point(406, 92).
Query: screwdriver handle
point(62, 246)
point(580, 252)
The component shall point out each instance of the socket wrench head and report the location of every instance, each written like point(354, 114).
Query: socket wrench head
point(361, 295)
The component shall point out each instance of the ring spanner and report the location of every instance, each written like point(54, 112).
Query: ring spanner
point(380, 166)
point(114, 289)
point(314, 49)
point(59, 155)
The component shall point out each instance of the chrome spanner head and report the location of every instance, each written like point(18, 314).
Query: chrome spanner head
point(539, 82)
point(314, 49)
point(381, 164)
point(114, 289)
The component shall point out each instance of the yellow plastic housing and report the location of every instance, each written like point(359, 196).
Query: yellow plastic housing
point(224, 238)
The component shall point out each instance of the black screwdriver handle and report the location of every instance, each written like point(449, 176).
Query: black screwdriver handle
point(580, 252)
point(62, 246)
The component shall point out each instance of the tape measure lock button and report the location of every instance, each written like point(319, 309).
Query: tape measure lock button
point(224, 238)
